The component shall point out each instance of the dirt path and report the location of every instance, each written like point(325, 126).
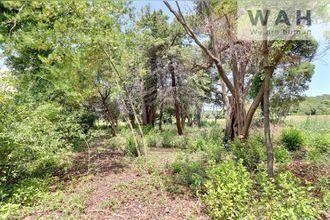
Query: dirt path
point(117, 187)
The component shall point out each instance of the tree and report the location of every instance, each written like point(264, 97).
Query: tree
point(156, 33)
point(52, 61)
point(238, 63)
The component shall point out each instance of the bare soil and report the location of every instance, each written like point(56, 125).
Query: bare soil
point(116, 187)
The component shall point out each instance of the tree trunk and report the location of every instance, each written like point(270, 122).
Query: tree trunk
point(198, 116)
point(183, 121)
point(176, 102)
point(269, 145)
point(149, 95)
point(160, 123)
point(265, 105)
point(236, 118)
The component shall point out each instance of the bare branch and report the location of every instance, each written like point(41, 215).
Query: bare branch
point(191, 33)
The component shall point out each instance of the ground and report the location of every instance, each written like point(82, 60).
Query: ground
point(108, 185)
point(103, 183)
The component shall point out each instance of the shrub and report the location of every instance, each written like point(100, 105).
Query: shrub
point(321, 143)
point(170, 139)
point(87, 120)
point(196, 144)
point(282, 198)
point(214, 134)
point(189, 173)
point(37, 142)
point(292, 139)
point(282, 155)
point(323, 184)
point(24, 193)
point(251, 152)
point(212, 150)
point(228, 191)
point(29, 190)
point(131, 149)
point(153, 139)
point(118, 142)
point(7, 209)
point(231, 193)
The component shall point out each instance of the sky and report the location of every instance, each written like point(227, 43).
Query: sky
point(320, 83)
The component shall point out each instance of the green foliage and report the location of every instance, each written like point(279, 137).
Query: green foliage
point(289, 87)
point(323, 184)
point(28, 190)
point(118, 142)
point(318, 105)
point(282, 155)
point(212, 150)
point(251, 151)
point(63, 54)
point(321, 143)
point(24, 193)
point(37, 142)
point(318, 147)
point(189, 172)
point(228, 191)
point(87, 120)
point(215, 134)
point(171, 139)
point(292, 138)
point(153, 139)
point(131, 149)
point(283, 198)
point(232, 193)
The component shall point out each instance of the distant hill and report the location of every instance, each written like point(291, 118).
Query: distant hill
point(314, 105)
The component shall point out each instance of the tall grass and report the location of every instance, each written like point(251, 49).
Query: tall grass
point(317, 123)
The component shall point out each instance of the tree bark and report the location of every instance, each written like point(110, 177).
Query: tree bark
point(149, 95)
point(269, 145)
point(161, 112)
point(176, 102)
point(265, 104)
point(198, 116)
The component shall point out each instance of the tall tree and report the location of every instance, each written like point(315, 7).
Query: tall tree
point(238, 63)
point(155, 32)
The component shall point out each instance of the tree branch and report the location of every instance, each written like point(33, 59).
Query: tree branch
point(191, 33)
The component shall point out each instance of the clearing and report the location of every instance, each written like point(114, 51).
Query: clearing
point(106, 185)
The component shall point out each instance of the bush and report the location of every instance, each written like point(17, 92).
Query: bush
point(189, 173)
point(29, 190)
point(118, 143)
point(231, 193)
point(24, 193)
point(292, 139)
point(211, 149)
point(251, 152)
point(171, 139)
point(153, 139)
point(37, 142)
point(321, 143)
point(282, 155)
point(87, 120)
point(216, 134)
point(282, 198)
point(323, 183)
point(131, 149)
point(228, 191)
